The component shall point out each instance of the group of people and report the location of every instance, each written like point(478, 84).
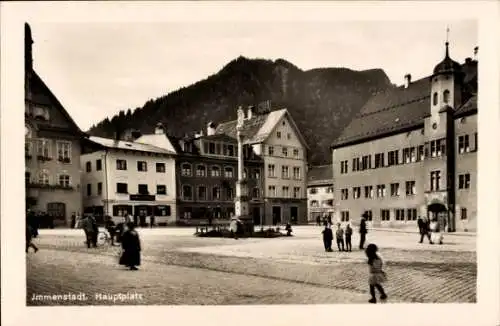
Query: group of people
point(343, 237)
point(432, 229)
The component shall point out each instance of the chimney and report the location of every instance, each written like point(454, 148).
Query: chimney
point(159, 130)
point(407, 80)
point(210, 128)
point(250, 112)
point(198, 134)
point(475, 53)
point(468, 60)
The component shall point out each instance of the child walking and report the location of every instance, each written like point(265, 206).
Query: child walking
point(377, 275)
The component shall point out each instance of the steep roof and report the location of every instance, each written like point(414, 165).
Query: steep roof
point(41, 94)
point(320, 174)
point(157, 140)
point(259, 127)
point(398, 109)
point(131, 146)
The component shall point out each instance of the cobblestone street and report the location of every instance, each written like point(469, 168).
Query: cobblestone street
point(181, 269)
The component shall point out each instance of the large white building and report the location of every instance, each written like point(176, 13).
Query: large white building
point(276, 138)
point(122, 177)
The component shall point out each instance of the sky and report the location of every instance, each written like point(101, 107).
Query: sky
point(97, 69)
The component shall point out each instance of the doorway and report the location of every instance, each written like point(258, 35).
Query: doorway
point(256, 215)
point(294, 214)
point(276, 215)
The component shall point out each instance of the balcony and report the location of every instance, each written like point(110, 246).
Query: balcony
point(48, 186)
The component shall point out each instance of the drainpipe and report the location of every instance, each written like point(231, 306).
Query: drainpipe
point(106, 180)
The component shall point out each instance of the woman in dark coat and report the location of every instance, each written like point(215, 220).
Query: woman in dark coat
point(131, 245)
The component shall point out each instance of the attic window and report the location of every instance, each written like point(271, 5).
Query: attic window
point(41, 113)
point(283, 123)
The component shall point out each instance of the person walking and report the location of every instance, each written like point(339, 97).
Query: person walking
point(348, 234)
point(151, 220)
point(377, 275)
point(233, 227)
point(111, 228)
point(318, 220)
point(327, 238)
point(435, 229)
point(131, 245)
point(88, 227)
point(29, 239)
point(362, 231)
point(423, 229)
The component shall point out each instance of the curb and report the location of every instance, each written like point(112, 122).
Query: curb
point(461, 234)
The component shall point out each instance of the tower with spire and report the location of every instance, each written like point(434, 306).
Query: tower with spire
point(439, 133)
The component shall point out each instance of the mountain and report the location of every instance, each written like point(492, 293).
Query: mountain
point(322, 101)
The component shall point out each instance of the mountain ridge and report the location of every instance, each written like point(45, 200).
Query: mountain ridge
point(322, 101)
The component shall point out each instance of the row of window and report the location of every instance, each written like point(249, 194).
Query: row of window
point(285, 192)
point(381, 191)
point(42, 147)
point(285, 172)
point(215, 171)
point(284, 152)
point(122, 188)
point(142, 166)
point(434, 148)
point(314, 190)
point(43, 178)
point(410, 187)
point(400, 214)
point(216, 193)
point(315, 203)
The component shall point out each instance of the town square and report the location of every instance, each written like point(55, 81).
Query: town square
point(251, 161)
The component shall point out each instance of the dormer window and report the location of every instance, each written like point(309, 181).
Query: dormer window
point(446, 96)
point(41, 113)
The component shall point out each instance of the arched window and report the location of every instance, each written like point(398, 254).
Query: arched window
point(228, 172)
point(215, 193)
point(202, 193)
point(64, 180)
point(314, 203)
point(201, 171)
point(187, 192)
point(186, 169)
point(215, 171)
point(43, 177)
point(446, 96)
point(435, 99)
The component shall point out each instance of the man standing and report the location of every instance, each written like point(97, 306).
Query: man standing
point(88, 228)
point(327, 238)
point(340, 237)
point(362, 231)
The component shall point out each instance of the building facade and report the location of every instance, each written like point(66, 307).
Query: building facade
point(320, 199)
point(274, 136)
point(121, 177)
point(207, 171)
point(412, 151)
point(52, 150)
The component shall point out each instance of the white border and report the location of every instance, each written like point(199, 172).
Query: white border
point(13, 16)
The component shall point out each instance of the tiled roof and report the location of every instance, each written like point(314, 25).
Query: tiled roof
point(221, 137)
point(250, 128)
point(394, 110)
point(469, 106)
point(133, 146)
point(319, 174)
point(259, 127)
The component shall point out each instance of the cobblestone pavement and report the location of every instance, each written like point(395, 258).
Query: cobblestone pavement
point(287, 267)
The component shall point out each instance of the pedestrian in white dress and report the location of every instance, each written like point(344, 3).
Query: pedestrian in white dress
point(377, 275)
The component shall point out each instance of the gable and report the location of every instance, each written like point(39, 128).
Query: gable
point(42, 99)
point(282, 130)
point(160, 141)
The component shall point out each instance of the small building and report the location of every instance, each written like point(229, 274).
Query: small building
point(275, 137)
point(52, 150)
point(121, 177)
point(412, 151)
point(207, 171)
point(320, 201)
